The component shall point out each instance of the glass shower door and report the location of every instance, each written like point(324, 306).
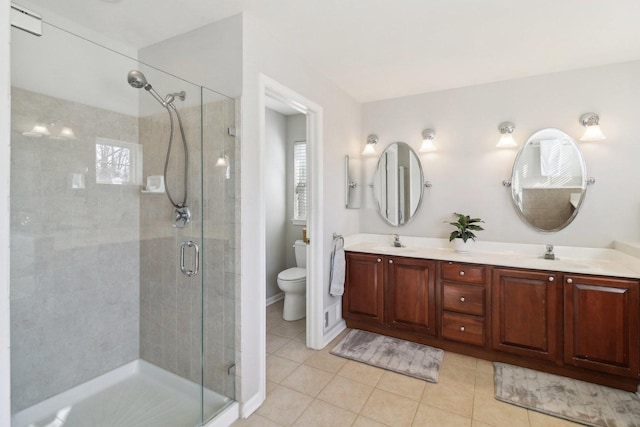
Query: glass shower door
point(221, 215)
point(106, 329)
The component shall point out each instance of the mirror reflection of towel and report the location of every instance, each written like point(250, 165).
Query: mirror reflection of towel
point(338, 267)
point(550, 157)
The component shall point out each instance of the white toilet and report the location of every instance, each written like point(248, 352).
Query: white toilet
point(293, 282)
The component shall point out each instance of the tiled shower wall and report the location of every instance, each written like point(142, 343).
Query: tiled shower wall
point(75, 252)
point(172, 304)
point(95, 280)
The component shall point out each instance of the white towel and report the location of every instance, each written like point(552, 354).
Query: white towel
point(338, 267)
point(550, 157)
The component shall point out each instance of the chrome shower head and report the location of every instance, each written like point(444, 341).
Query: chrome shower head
point(136, 79)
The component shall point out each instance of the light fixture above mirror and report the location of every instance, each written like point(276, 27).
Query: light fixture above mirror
point(592, 132)
point(370, 147)
point(506, 135)
point(428, 135)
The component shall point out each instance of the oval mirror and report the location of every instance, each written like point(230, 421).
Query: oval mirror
point(398, 183)
point(549, 180)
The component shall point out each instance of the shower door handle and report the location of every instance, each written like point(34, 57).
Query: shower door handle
point(196, 262)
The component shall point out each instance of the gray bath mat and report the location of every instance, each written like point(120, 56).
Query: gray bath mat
point(408, 358)
point(573, 400)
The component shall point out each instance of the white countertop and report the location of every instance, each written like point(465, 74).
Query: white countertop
point(623, 261)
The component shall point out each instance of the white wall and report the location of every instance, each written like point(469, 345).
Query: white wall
point(341, 135)
point(275, 184)
point(5, 161)
point(296, 131)
point(467, 170)
point(210, 56)
point(76, 70)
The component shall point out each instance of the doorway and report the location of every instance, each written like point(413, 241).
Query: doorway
point(272, 93)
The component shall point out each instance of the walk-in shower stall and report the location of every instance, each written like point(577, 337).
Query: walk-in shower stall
point(123, 240)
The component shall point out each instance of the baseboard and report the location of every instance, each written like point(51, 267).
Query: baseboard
point(251, 405)
point(334, 332)
point(274, 299)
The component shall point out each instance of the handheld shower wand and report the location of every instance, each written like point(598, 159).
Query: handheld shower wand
point(138, 80)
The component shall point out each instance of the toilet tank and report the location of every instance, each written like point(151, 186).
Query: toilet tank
point(300, 249)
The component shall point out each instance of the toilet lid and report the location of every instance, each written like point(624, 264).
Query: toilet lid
point(295, 273)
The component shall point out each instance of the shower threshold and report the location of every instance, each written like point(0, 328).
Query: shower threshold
point(136, 394)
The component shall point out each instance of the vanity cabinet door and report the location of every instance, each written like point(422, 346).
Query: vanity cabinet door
point(601, 324)
point(364, 288)
point(410, 294)
point(525, 305)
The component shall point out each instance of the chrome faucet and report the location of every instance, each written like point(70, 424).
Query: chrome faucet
point(396, 241)
point(549, 253)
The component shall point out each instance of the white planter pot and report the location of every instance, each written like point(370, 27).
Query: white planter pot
point(462, 247)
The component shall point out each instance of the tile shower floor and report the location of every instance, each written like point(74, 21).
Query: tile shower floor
point(141, 394)
point(314, 388)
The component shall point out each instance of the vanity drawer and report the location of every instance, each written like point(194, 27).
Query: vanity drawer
point(468, 299)
point(458, 272)
point(460, 327)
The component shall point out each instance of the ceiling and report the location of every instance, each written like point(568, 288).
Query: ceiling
point(379, 49)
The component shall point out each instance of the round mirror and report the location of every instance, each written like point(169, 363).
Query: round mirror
point(549, 180)
point(398, 183)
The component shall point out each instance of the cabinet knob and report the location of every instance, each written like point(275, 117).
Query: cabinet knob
point(390, 261)
point(379, 259)
point(461, 328)
point(569, 280)
point(462, 273)
point(462, 299)
point(551, 278)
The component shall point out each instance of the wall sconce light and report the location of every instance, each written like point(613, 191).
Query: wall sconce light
point(506, 138)
point(39, 130)
point(223, 162)
point(370, 147)
point(592, 130)
point(67, 133)
point(428, 135)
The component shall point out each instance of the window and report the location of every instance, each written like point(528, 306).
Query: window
point(300, 189)
point(118, 162)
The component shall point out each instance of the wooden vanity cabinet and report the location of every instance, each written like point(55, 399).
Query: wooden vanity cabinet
point(463, 290)
point(363, 297)
point(391, 291)
point(581, 326)
point(601, 324)
point(410, 294)
point(525, 312)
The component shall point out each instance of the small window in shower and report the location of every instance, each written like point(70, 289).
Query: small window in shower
point(118, 162)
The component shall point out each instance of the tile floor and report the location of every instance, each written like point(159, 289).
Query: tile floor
point(314, 388)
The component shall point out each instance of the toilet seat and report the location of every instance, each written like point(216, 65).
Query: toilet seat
point(292, 274)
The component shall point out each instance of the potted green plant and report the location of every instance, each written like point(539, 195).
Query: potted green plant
point(465, 227)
